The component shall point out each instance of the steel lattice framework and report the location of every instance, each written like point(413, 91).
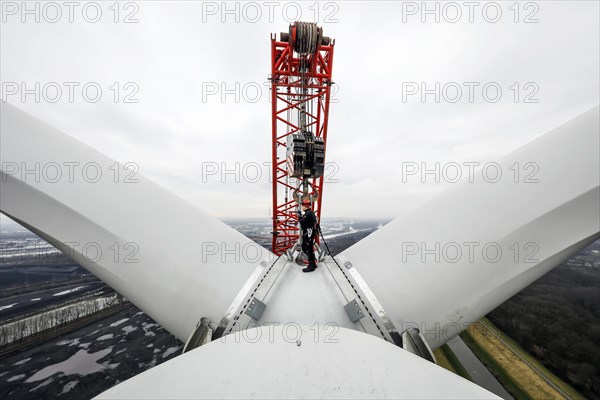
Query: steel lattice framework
point(296, 80)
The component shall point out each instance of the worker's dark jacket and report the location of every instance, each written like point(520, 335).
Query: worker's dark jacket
point(308, 224)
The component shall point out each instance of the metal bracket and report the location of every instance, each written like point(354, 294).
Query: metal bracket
point(255, 309)
point(354, 311)
point(202, 334)
point(378, 323)
point(290, 252)
point(414, 342)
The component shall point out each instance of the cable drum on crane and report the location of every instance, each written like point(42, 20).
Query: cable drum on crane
point(305, 37)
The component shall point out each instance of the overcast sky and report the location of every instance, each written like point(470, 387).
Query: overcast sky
point(176, 131)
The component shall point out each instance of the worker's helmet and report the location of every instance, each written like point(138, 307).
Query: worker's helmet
point(306, 202)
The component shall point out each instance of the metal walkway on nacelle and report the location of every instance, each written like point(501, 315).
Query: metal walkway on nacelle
point(332, 296)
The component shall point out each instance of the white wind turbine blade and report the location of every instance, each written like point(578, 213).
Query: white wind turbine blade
point(169, 258)
point(297, 363)
point(536, 225)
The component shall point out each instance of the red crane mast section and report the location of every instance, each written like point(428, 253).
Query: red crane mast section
point(301, 72)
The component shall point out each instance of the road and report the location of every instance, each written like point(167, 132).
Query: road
point(25, 303)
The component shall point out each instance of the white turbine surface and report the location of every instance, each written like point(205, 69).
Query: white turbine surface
point(177, 279)
point(549, 221)
point(303, 362)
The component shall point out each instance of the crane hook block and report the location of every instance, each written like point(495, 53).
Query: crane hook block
point(305, 155)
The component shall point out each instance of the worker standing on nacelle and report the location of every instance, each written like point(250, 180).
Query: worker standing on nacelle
point(308, 225)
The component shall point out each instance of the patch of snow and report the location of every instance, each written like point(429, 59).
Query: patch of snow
point(15, 378)
point(81, 363)
point(146, 326)
point(119, 322)
point(128, 329)
point(23, 361)
point(68, 387)
point(170, 351)
point(46, 382)
point(105, 337)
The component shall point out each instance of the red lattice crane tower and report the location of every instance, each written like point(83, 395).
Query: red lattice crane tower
point(301, 71)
